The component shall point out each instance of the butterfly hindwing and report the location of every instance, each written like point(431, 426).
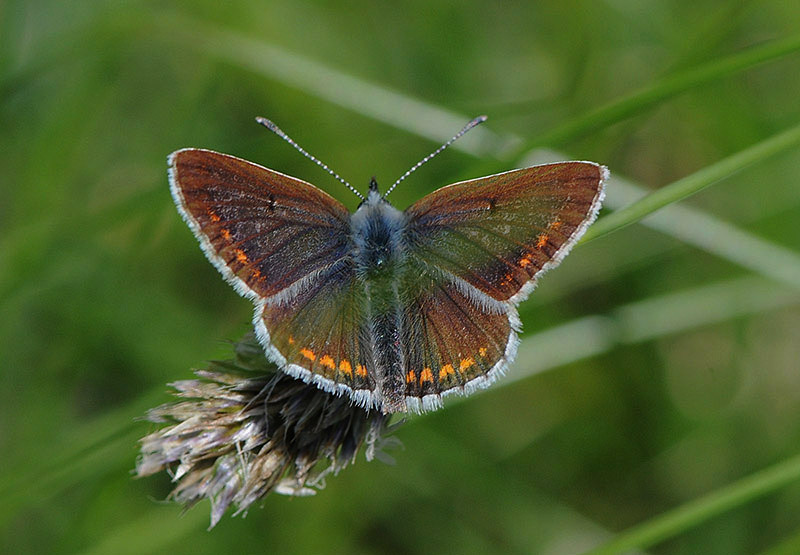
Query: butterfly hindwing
point(322, 331)
point(499, 233)
point(452, 340)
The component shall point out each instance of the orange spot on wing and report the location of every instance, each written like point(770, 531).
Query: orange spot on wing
point(482, 351)
point(225, 234)
point(466, 363)
point(361, 370)
point(543, 238)
point(445, 371)
point(291, 340)
point(240, 256)
point(326, 360)
point(426, 375)
point(213, 216)
point(411, 376)
point(525, 261)
point(308, 353)
point(347, 369)
point(555, 225)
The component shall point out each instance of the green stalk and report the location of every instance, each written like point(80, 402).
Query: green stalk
point(694, 183)
point(651, 95)
point(693, 513)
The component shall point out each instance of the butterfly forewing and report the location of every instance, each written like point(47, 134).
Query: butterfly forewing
point(250, 219)
point(498, 233)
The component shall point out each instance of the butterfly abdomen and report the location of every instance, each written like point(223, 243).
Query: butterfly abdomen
point(379, 257)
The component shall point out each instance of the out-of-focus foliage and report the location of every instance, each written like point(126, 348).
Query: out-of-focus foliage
point(673, 367)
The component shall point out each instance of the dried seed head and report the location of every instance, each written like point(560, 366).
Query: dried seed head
point(244, 429)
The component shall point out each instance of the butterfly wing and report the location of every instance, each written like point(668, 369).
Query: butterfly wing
point(284, 244)
point(499, 233)
point(480, 246)
point(322, 331)
point(250, 220)
point(452, 340)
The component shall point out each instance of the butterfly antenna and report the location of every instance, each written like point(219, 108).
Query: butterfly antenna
point(477, 121)
point(277, 130)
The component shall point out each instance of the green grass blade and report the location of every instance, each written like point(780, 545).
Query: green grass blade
point(651, 95)
point(92, 447)
point(372, 100)
point(699, 229)
point(694, 183)
point(137, 536)
point(716, 236)
point(645, 320)
point(695, 512)
point(788, 546)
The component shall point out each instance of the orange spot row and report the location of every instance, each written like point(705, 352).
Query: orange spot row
point(241, 256)
point(411, 376)
point(327, 361)
point(525, 261)
point(543, 238)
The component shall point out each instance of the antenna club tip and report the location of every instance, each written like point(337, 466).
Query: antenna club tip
point(266, 123)
point(481, 119)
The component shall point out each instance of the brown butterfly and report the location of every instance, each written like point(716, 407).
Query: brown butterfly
point(393, 308)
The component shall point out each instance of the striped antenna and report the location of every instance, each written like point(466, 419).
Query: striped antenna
point(470, 125)
point(277, 130)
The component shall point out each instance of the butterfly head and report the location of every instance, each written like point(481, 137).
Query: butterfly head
point(374, 197)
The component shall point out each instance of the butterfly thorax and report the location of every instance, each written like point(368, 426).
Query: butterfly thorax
point(378, 231)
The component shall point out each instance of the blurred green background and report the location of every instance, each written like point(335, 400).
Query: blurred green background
point(660, 363)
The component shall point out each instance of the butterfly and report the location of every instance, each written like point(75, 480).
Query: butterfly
point(392, 308)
